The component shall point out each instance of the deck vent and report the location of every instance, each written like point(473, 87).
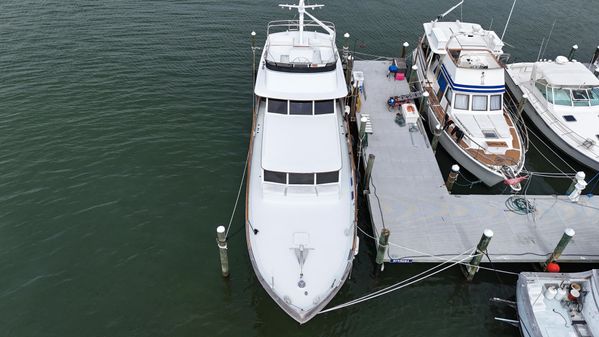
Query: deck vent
point(569, 118)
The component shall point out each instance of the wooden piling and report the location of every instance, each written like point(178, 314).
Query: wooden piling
point(413, 74)
point(572, 52)
point(481, 249)
point(221, 240)
point(424, 104)
point(453, 176)
point(382, 246)
point(362, 131)
point(436, 134)
point(404, 49)
point(367, 173)
point(561, 245)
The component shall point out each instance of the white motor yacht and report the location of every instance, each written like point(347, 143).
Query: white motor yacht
point(562, 102)
point(459, 67)
point(301, 190)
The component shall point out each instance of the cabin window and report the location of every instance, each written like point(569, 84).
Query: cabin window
point(327, 177)
point(542, 89)
point(561, 97)
point(580, 97)
point(496, 102)
point(277, 106)
point(449, 95)
point(461, 101)
point(275, 177)
point(324, 107)
point(301, 178)
point(300, 108)
point(479, 102)
point(594, 96)
point(442, 84)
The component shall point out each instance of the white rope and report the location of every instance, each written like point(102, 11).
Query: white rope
point(399, 285)
point(437, 257)
point(238, 194)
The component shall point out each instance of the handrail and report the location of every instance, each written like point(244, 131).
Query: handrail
point(295, 24)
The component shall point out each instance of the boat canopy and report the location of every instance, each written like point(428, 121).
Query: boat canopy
point(564, 74)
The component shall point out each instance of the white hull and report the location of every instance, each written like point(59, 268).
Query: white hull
point(327, 219)
point(548, 132)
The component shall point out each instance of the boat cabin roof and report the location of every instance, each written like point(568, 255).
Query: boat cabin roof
point(301, 144)
point(443, 36)
point(315, 50)
point(564, 74)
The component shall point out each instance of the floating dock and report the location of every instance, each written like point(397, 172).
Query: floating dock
point(408, 197)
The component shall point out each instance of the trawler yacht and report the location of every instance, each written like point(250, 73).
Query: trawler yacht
point(301, 190)
point(459, 66)
point(562, 102)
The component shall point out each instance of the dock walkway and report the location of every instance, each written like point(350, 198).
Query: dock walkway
point(408, 196)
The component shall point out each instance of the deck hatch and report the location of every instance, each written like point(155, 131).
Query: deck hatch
point(569, 118)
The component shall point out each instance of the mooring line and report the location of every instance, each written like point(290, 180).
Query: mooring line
point(238, 194)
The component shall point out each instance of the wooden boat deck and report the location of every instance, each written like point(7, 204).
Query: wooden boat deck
point(428, 224)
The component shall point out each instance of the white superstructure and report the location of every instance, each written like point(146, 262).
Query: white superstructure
point(563, 103)
point(301, 197)
point(459, 67)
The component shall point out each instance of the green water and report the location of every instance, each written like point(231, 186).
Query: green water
point(123, 133)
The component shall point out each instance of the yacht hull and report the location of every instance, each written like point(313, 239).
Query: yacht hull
point(548, 132)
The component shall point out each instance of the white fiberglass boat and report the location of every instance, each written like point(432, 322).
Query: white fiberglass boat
point(459, 66)
point(301, 191)
point(562, 102)
point(558, 305)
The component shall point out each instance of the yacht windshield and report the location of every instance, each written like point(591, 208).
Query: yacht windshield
point(570, 96)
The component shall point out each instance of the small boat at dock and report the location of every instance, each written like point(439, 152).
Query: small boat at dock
point(558, 304)
point(461, 68)
point(301, 188)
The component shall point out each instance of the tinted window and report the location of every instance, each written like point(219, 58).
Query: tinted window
point(324, 107)
point(301, 178)
point(300, 108)
point(461, 101)
point(449, 95)
point(327, 177)
point(275, 177)
point(277, 106)
point(479, 103)
point(495, 102)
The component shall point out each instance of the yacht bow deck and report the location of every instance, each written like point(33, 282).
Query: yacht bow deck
point(428, 224)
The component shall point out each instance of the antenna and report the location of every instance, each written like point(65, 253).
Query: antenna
point(546, 43)
point(448, 11)
point(301, 8)
point(508, 19)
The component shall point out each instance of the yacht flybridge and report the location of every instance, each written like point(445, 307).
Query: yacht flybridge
point(459, 67)
point(300, 207)
point(562, 102)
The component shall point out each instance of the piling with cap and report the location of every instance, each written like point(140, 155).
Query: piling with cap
point(572, 51)
point(452, 177)
point(404, 49)
point(563, 242)
point(368, 173)
point(578, 177)
point(345, 47)
point(362, 131)
point(481, 249)
point(424, 104)
point(221, 241)
point(413, 74)
point(436, 134)
point(579, 186)
point(521, 104)
point(382, 246)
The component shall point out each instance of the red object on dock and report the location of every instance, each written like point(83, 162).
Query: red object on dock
point(399, 76)
point(553, 267)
